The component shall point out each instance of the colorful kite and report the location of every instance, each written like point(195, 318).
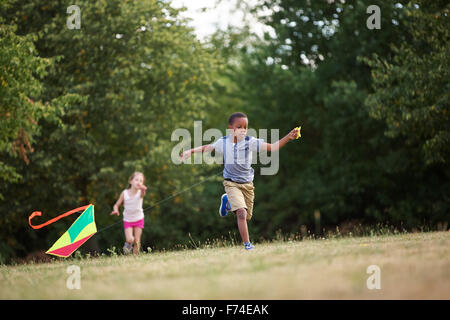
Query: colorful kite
point(79, 232)
point(298, 133)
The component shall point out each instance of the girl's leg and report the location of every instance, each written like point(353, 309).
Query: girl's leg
point(129, 238)
point(137, 239)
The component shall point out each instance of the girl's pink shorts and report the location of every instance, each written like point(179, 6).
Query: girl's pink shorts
point(139, 224)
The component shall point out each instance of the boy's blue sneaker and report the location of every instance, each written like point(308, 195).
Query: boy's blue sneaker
point(224, 205)
point(248, 246)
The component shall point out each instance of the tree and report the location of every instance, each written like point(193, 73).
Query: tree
point(136, 72)
point(20, 73)
point(411, 87)
point(311, 73)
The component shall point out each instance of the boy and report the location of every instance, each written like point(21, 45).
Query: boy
point(238, 174)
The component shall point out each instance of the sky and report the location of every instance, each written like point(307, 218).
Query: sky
point(216, 16)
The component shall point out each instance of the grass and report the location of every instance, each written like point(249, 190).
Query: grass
point(413, 266)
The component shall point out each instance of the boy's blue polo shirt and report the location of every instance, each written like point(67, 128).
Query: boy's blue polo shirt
point(238, 157)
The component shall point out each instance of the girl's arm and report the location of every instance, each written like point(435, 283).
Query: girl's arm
point(117, 204)
point(143, 189)
point(206, 148)
point(280, 143)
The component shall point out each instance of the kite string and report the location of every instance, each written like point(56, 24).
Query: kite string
point(164, 200)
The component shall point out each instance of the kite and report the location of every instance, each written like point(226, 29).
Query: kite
point(298, 133)
point(79, 232)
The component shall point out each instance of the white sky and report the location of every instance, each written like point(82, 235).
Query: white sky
point(205, 23)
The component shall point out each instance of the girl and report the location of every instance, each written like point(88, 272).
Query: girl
point(133, 215)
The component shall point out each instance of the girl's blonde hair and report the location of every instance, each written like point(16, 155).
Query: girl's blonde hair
point(132, 177)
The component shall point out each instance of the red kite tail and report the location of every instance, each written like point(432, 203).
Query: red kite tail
point(38, 213)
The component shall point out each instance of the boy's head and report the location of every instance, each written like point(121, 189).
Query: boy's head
point(238, 122)
point(234, 116)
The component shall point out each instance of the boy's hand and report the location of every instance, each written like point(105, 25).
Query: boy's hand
point(294, 134)
point(185, 155)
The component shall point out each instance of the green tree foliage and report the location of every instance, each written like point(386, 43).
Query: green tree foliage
point(136, 72)
point(89, 106)
point(19, 83)
point(411, 89)
point(311, 73)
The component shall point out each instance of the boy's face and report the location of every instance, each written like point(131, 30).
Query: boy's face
point(239, 127)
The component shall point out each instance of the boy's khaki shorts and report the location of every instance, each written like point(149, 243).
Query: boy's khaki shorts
point(240, 195)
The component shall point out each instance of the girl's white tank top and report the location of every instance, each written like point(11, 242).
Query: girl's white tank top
point(133, 206)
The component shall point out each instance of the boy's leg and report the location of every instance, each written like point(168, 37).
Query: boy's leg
point(249, 195)
point(248, 190)
point(242, 224)
point(238, 206)
point(137, 239)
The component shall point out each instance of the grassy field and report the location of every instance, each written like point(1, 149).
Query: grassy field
point(413, 266)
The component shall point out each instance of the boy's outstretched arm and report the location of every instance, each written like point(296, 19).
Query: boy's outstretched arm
point(206, 148)
point(280, 143)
